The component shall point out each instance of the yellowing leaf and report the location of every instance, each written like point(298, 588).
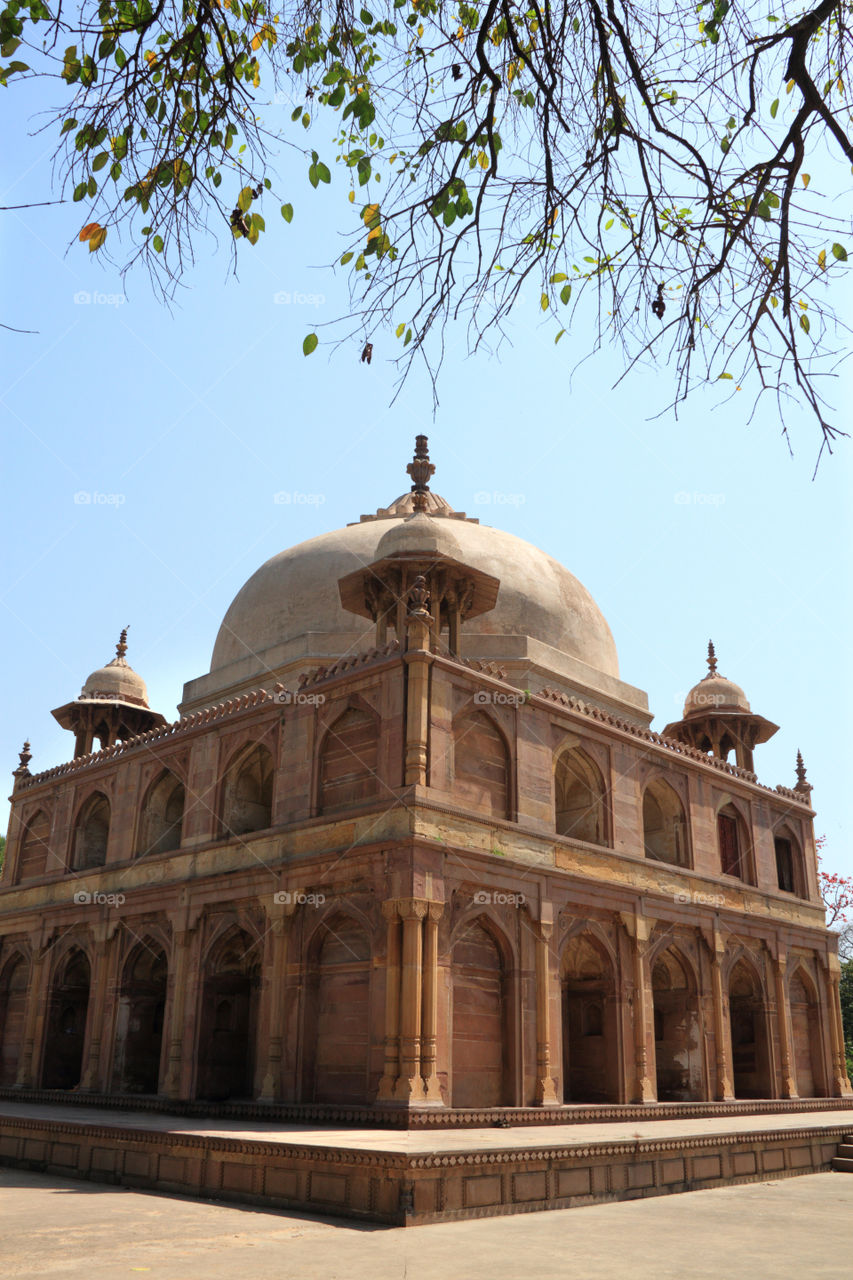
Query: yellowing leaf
point(807, 177)
point(821, 259)
point(90, 229)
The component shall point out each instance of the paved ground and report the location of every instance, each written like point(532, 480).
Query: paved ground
point(795, 1229)
point(414, 1142)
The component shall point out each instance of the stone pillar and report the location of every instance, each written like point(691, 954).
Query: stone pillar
point(546, 1089)
point(418, 661)
point(783, 1015)
point(722, 1039)
point(410, 1086)
point(90, 1081)
point(640, 930)
point(38, 998)
point(840, 1082)
point(281, 920)
point(391, 1070)
point(432, 1089)
point(184, 942)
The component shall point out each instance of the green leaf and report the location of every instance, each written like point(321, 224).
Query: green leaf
point(565, 293)
point(245, 199)
point(774, 107)
point(158, 244)
point(559, 336)
point(287, 212)
point(346, 257)
point(727, 376)
point(100, 160)
point(310, 344)
point(543, 302)
point(558, 277)
point(79, 192)
point(839, 252)
point(804, 324)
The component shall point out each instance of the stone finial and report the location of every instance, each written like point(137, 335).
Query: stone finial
point(420, 469)
point(712, 658)
point(418, 596)
point(121, 647)
point(22, 770)
point(802, 784)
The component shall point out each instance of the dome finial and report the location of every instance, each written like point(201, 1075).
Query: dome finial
point(802, 784)
point(712, 659)
point(121, 647)
point(420, 469)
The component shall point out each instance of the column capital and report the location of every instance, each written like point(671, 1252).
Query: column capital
point(638, 927)
point(412, 908)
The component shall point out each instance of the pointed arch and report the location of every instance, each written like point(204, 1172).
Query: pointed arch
point(790, 866)
point(481, 1060)
point(751, 1073)
point(580, 797)
point(247, 791)
point(139, 1020)
point(589, 1020)
point(734, 843)
point(665, 831)
point(348, 760)
point(91, 833)
point(14, 982)
point(678, 1033)
point(35, 847)
point(806, 1040)
point(66, 1021)
point(229, 1017)
point(161, 817)
point(337, 1024)
point(481, 763)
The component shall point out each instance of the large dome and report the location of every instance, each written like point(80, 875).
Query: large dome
point(296, 593)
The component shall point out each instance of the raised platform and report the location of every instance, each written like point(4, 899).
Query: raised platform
point(414, 1177)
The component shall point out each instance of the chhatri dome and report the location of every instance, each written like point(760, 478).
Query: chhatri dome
point(291, 611)
point(714, 691)
point(112, 706)
point(117, 680)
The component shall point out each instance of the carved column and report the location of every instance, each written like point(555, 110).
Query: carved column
point(640, 929)
point(184, 943)
point(432, 1089)
point(783, 1013)
point(388, 1083)
point(96, 1012)
point(279, 938)
point(840, 1082)
point(546, 1089)
point(38, 998)
point(722, 1039)
point(410, 1086)
point(418, 661)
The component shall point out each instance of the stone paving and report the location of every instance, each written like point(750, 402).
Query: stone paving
point(797, 1229)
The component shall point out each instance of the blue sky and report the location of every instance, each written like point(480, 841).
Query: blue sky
point(182, 427)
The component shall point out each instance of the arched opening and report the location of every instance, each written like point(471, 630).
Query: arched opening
point(228, 1026)
point(92, 833)
point(66, 1023)
point(481, 769)
point(139, 1025)
point(590, 1029)
point(162, 816)
point(580, 798)
point(678, 1042)
point(806, 1038)
point(337, 1015)
point(13, 1007)
point(664, 824)
point(247, 792)
point(733, 844)
point(789, 865)
point(34, 847)
point(348, 760)
point(480, 1058)
point(748, 1020)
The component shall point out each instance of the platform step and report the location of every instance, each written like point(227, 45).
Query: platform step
point(842, 1164)
point(846, 1149)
